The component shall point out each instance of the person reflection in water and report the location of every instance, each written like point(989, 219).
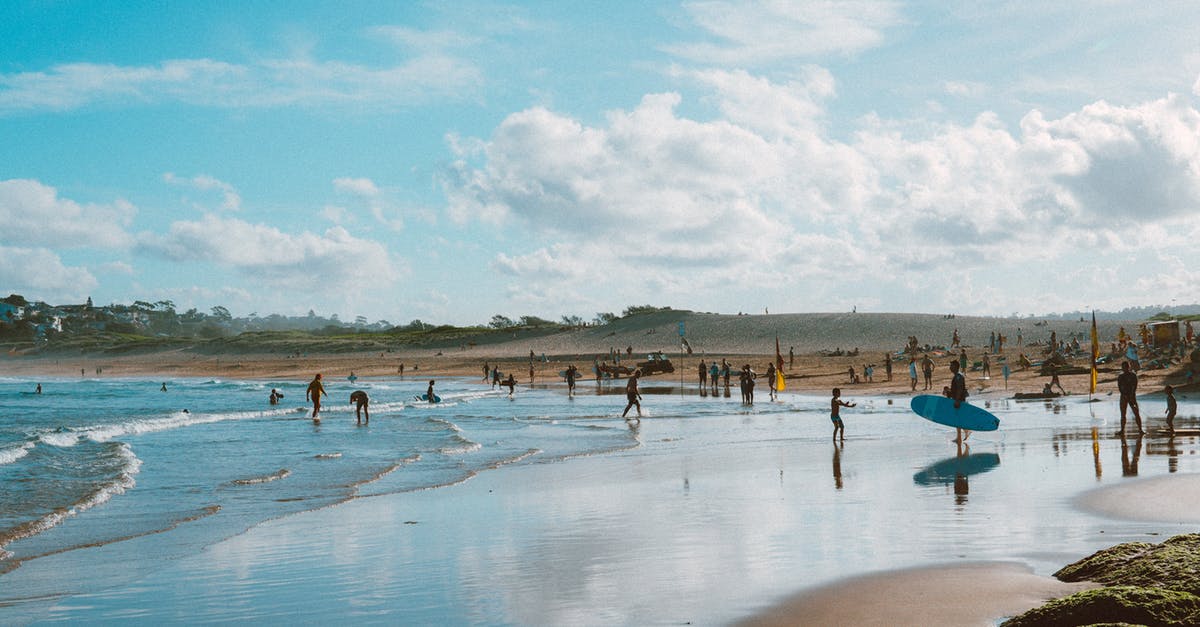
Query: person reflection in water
point(1129, 466)
point(837, 466)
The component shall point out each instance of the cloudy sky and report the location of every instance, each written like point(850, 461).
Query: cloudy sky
point(452, 161)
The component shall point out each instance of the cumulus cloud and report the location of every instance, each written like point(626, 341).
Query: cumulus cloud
point(762, 194)
point(33, 214)
point(41, 271)
point(765, 31)
point(334, 261)
point(231, 200)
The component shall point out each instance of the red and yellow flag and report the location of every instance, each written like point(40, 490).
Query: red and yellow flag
point(780, 382)
point(1095, 354)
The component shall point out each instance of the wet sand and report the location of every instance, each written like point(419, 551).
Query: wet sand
point(952, 596)
point(1171, 499)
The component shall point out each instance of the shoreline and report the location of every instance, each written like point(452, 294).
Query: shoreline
point(810, 373)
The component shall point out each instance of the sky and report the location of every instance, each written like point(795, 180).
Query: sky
point(452, 161)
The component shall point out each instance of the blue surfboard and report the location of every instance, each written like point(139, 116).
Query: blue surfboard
point(425, 397)
point(941, 410)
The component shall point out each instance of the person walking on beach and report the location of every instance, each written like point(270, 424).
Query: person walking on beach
point(715, 376)
point(927, 368)
point(510, 383)
point(313, 393)
point(633, 395)
point(958, 392)
point(725, 368)
point(912, 372)
point(771, 391)
point(1127, 385)
point(703, 375)
point(572, 373)
point(887, 366)
point(835, 414)
point(1171, 408)
point(361, 402)
point(495, 376)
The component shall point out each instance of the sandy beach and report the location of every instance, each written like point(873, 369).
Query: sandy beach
point(707, 511)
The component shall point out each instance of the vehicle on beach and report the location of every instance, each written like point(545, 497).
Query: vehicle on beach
point(655, 363)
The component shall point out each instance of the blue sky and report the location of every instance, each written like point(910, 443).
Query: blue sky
point(452, 161)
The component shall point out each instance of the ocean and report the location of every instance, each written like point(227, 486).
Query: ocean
point(116, 492)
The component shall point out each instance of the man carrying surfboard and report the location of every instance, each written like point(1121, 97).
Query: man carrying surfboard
point(958, 392)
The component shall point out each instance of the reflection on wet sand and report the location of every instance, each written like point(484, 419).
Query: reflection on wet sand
point(956, 470)
point(837, 466)
point(1129, 466)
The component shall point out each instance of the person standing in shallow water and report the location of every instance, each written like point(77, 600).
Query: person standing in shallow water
point(633, 395)
point(835, 414)
point(958, 392)
point(361, 406)
point(1127, 385)
point(313, 393)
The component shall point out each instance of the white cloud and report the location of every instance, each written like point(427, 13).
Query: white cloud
point(334, 262)
point(665, 204)
point(32, 213)
point(266, 83)
point(381, 207)
point(230, 199)
point(40, 271)
point(768, 31)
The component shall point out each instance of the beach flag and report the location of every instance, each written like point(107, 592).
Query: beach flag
point(1095, 354)
point(780, 382)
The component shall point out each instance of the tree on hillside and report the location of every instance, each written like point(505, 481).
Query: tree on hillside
point(16, 300)
point(605, 318)
point(642, 309)
point(221, 313)
point(572, 321)
point(534, 322)
point(501, 322)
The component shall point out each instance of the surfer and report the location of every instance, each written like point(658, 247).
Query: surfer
point(1127, 385)
point(835, 414)
point(360, 400)
point(164, 386)
point(39, 389)
point(429, 395)
point(275, 396)
point(958, 392)
point(632, 395)
point(511, 383)
point(572, 372)
point(314, 392)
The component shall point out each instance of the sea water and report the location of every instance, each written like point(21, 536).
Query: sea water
point(91, 462)
point(735, 504)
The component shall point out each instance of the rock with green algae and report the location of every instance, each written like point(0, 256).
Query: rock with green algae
point(1149, 584)
point(1173, 565)
point(1119, 605)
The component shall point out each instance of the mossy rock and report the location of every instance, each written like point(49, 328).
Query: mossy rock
point(1120, 605)
point(1173, 565)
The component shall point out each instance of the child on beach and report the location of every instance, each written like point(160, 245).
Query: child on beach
point(1171, 408)
point(835, 406)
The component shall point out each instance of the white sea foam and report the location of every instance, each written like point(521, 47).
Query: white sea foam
point(117, 485)
point(282, 473)
point(106, 433)
point(463, 447)
point(12, 454)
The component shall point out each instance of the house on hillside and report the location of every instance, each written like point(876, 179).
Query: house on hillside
point(9, 313)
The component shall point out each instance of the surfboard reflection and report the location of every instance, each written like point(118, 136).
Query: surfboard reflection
point(955, 471)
